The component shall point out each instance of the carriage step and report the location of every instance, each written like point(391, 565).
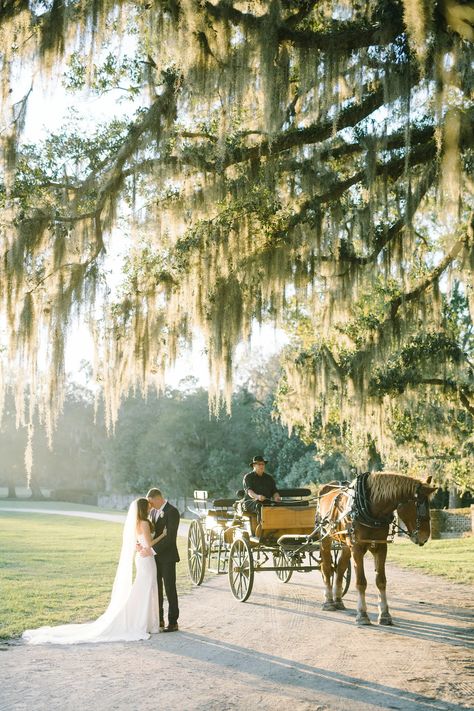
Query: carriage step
point(295, 540)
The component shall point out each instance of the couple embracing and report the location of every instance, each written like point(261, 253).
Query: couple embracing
point(136, 607)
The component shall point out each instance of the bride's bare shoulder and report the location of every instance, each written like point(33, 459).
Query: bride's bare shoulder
point(143, 526)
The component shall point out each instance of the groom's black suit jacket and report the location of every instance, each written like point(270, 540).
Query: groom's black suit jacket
point(166, 549)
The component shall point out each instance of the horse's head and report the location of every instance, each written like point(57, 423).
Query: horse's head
point(415, 513)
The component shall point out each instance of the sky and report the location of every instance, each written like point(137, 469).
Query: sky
point(265, 342)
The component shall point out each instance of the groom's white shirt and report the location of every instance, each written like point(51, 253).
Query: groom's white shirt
point(156, 515)
point(160, 510)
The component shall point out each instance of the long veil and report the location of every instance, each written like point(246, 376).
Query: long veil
point(124, 574)
point(102, 628)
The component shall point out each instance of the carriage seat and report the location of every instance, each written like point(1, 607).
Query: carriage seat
point(223, 503)
point(294, 493)
point(222, 511)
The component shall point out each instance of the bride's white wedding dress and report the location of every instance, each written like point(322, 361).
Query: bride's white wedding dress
point(133, 610)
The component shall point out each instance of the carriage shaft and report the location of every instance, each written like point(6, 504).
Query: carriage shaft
point(295, 569)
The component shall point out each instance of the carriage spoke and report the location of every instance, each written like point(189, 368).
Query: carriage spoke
point(196, 552)
point(282, 560)
point(240, 569)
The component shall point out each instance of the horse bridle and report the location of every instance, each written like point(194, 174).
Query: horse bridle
point(422, 511)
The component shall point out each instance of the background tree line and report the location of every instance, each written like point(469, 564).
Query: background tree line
point(171, 440)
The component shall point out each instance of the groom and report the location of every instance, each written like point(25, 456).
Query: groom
point(163, 514)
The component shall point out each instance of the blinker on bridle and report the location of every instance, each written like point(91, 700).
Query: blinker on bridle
point(422, 511)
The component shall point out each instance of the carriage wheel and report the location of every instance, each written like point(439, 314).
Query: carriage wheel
point(196, 552)
point(241, 570)
point(346, 580)
point(282, 560)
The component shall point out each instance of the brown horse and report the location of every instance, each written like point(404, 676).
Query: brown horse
point(359, 517)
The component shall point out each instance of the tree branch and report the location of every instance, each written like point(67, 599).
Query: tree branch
point(395, 141)
point(303, 11)
point(311, 134)
point(426, 283)
point(164, 105)
point(392, 170)
point(344, 39)
point(462, 391)
point(463, 397)
point(70, 265)
point(339, 38)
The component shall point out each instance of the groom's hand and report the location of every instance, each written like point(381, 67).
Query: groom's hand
point(145, 552)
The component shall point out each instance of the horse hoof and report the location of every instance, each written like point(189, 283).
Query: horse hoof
point(328, 606)
point(339, 605)
point(363, 620)
point(385, 620)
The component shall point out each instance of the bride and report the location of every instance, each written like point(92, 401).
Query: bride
point(132, 613)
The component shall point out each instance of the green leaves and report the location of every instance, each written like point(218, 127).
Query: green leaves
point(423, 358)
point(124, 74)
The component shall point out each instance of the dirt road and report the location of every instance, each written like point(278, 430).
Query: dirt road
point(277, 651)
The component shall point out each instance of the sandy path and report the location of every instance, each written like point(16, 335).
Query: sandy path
point(277, 651)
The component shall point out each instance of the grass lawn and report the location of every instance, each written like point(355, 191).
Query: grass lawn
point(57, 569)
point(452, 558)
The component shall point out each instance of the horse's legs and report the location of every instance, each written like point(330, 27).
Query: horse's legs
point(326, 572)
point(342, 564)
point(380, 555)
point(358, 552)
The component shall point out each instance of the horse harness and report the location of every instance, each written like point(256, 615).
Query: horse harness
point(358, 511)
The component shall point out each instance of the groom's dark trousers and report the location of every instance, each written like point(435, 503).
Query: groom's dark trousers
point(166, 558)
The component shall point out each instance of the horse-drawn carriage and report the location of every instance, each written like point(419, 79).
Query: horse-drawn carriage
point(226, 539)
point(305, 533)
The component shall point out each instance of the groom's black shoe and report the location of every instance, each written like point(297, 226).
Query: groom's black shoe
point(171, 628)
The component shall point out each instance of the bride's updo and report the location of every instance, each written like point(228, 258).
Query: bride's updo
point(142, 510)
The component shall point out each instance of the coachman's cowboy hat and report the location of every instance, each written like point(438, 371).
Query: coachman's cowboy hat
point(258, 459)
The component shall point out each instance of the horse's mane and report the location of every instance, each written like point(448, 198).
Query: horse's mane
point(390, 485)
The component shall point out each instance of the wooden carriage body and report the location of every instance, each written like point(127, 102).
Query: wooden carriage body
point(277, 521)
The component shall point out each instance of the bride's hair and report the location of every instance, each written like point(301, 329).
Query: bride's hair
point(142, 510)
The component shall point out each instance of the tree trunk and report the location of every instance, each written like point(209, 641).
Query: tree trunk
point(454, 498)
point(11, 491)
point(374, 462)
point(35, 489)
